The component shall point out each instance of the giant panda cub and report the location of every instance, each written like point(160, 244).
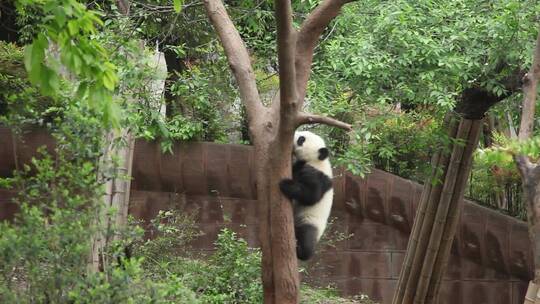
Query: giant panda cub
point(310, 191)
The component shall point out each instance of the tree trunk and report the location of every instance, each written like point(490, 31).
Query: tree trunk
point(438, 213)
point(271, 131)
point(531, 196)
point(530, 175)
point(280, 276)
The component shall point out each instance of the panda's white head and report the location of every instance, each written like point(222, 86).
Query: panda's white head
point(310, 147)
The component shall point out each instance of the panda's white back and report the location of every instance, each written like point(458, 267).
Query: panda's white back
point(317, 214)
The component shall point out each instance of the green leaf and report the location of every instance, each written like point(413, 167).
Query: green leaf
point(82, 90)
point(28, 56)
point(73, 27)
point(177, 5)
point(109, 80)
point(60, 16)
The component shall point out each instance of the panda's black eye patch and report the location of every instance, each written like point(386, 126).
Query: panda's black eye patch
point(323, 153)
point(300, 140)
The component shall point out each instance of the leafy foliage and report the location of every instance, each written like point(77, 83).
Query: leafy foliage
point(19, 101)
point(69, 27)
point(232, 274)
point(426, 53)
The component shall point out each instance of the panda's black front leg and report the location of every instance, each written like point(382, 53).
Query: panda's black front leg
point(290, 188)
point(304, 193)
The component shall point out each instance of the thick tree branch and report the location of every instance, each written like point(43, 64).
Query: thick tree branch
point(238, 57)
point(530, 81)
point(308, 36)
point(308, 118)
point(524, 164)
point(286, 38)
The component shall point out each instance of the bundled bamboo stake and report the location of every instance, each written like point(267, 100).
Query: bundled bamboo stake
point(453, 217)
point(533, 294)
point(424, 219)
point(441, 216)
point(438, 212)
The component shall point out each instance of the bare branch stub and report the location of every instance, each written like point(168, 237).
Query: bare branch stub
point(524, 165)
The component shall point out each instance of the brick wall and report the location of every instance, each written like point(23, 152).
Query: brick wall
point(491, 260)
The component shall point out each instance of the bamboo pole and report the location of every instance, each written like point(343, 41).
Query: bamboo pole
point(453, 216)
point(443, 206)
point(425, 220)
point(436, 219)
point(413, 240)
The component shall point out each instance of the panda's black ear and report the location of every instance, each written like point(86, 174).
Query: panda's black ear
point(300, 140)
point(323, 153)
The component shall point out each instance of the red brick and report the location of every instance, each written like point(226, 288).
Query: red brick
point(451, 293)
point(217, 157)
point(454, 268)
point(170, 170)
point(193, 168)
point(370, 264)
point(400, 202)
point(7, 207)
point(377, 189)
point(521, 262)
point(370, 236)
point(486, 292)
point(379, 290)
point(241, 176)
point(145, 169)
point(353, 201)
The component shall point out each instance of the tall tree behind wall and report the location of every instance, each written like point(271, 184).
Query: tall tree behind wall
point(530, 171)
point(272, 128)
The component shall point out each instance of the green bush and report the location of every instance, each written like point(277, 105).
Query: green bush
point(234, 272)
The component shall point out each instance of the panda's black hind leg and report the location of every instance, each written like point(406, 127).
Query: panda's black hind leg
point(306, 239)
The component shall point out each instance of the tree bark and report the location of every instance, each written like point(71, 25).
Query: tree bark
point(271, 130)
point(530, 172)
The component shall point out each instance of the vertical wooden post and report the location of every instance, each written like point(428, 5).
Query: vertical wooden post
point(116, 196)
